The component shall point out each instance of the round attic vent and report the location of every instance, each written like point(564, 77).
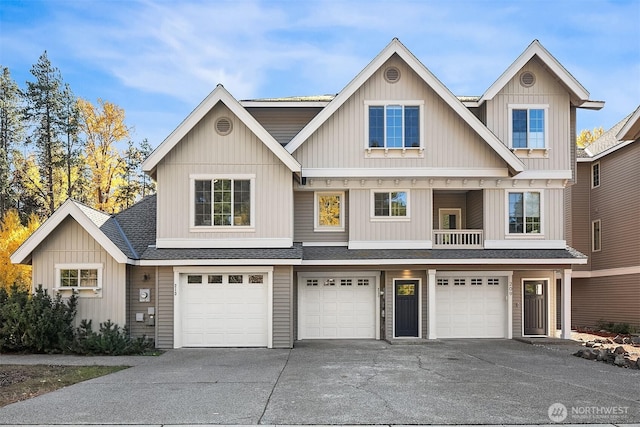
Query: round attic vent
point(223, 126)
point(527, 79)
point(391, 74)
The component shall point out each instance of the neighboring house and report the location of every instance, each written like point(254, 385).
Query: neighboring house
point(394, 210)
point(605, 224)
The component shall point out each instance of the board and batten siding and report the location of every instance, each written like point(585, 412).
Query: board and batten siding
point(363, 228)
point(72, 244)
point(283, 123)
point(610, 299)
point(203, 151)
point(547, 91)
point(496, 213)
point(475, 203)
point(283, 307)
point(140, 278)
point(340, 141)
point(164, 320)
point(304, 220)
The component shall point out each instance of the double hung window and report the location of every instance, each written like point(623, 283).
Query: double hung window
point(223, 202)
point(394, 126)
point(528, 127)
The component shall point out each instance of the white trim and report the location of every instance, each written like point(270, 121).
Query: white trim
point(283, 104)
point(539, 243)
point(403, 103)
point(404, 172)
point(219, 262)
point(592, 175)
point(523, 235)
point(219, 94)
point(96, 291)
point(450, 261)
point(393, 285)
point(547, 280)
point(536, 49)
point(222, 228)
point(592, 105)
point(325, 243)
point(390, 244)
point(316, 213)
point(431, 305)
point(620, 271)
point(510, 305)
point(593, 235)
point(68, 208)
point(566, 304)
point(527, 108)
point(456, 211)
point(391, 218)
point(395, 47)
point(544, 174)
point(631, 129)
point(608, 151)
point(213, 243)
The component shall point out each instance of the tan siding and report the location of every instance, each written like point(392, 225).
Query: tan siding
point(443, 200)
point(617, 204)
point(362, 228)
point(203, 151)
point(610, 299)
point(340, 141)
point(304, 220)
point(495, 214)
point(283, 123)
point(71, 244)
point(283, 307)
point(164, 320)
point(475, 219)
point(390, 276)
point(546, 90)
point(573, 146)
point(579, 206)
point(140, 278)
point(518, 277)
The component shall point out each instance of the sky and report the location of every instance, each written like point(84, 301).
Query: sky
point(159, 59)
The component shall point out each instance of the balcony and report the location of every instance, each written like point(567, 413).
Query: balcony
point(458, 239)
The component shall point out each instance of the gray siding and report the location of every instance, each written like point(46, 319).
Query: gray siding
point(283, 123)
point(304, 220)
point(140, 278)
point(442, 200)
point(580, 227)
point(475, 202)
point(390, 275)
point(517, 302)
point(164, 320)
point(610, 299)
point(283, 307)
point(71, 244)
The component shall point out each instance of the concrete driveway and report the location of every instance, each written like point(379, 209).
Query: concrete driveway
point(346, 382)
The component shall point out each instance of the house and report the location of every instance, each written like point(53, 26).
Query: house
point(393, 210)
point(605, 224)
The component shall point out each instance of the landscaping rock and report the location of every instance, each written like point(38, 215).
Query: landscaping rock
point(619, 350)
point(602, 355)
point(618, 339)
point(626, 340)
point(635, 341)
point(620, 360)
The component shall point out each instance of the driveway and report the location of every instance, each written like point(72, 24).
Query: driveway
point(347, 382)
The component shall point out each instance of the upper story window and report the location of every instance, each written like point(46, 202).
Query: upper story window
point(390, 204)
point(596, 236)
point(222, 201)
point(595, 175)
point(329, 211)
point(525, 212)
point(394, 125)
point(528, 126)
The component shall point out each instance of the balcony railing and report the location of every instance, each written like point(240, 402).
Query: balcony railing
point(458, 239)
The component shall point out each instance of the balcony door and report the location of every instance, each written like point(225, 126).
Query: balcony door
point(450, 219)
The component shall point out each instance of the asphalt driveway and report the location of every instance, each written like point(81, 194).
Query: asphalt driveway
point(345, 382)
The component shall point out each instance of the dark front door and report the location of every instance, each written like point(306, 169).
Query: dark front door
point(406, 309)
point(535, 307)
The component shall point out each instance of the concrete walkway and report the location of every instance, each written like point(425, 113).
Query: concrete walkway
point(491, 382)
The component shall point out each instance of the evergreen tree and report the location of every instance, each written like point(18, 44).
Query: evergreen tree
point(11, 133)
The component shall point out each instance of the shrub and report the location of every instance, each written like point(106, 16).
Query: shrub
point(616, 328)
point(110, 340)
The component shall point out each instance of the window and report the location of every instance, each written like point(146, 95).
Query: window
point(595, 175)
point(329, 211)
point(390, 204)
point(79, 276)
point(222, 201)
point(493, 281)
point(394, 126)
point(524, 213)
point(596, 236)
point(528, 126)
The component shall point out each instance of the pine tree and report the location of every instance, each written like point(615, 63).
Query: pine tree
point(11, 133)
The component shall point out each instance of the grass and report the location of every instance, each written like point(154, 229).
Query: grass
point(21, 382)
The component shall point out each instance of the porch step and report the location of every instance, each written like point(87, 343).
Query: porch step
point(412, 341)
point(546, 340)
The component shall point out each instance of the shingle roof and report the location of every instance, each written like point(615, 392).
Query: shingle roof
point(138, 223)
point(153, 253)
point(606, 141)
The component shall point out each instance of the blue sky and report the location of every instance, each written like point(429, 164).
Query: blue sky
point(159, 59)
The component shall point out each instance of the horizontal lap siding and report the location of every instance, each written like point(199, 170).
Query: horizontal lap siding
point(448, 201)
point(283, 307)
point(304, 220)
point(164, 321)
point(141, 278)
point(283, 123)
point(610, 299)
point(579, 194)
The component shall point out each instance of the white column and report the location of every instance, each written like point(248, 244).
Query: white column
point(566, 304)
point(510, 305)
point(431, 303)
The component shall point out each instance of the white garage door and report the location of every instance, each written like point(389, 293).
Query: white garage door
point(337, 307)
point(224, 310)
point(471, 307)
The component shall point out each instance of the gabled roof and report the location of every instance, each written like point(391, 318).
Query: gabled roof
point(219, 94)
point(579, 95)
point(395, 47)
point(631, 129)
point(98, 224)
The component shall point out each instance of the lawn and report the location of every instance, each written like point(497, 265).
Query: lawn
point(21, 382)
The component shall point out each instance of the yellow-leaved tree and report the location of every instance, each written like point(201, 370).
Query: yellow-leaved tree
point(587, 136)
point(103, 127)
point(12, 235)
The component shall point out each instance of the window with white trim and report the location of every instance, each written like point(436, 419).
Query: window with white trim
point(528, 126)
point(394, 125)
point(224, 202)
point(390, 204)
point(525, 212)
point(329, 211)
point(595, 175)
point(596, 236)
point(78, 276)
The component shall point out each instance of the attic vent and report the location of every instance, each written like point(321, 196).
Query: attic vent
point(391, 74)
point(527, 79)
point(223, 126)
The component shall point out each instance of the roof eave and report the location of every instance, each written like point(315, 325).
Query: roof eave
point(631, 129)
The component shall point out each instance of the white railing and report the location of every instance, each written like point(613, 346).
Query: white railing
point(457, 239)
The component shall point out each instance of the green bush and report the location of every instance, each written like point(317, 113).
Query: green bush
point(110, 340)
point(616, 328)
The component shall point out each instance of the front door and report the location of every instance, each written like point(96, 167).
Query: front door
point(535, 307)
point(406, 308)
point(450, 219)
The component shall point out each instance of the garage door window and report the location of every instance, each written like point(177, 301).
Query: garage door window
point(214, 278)
point(193, 279)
